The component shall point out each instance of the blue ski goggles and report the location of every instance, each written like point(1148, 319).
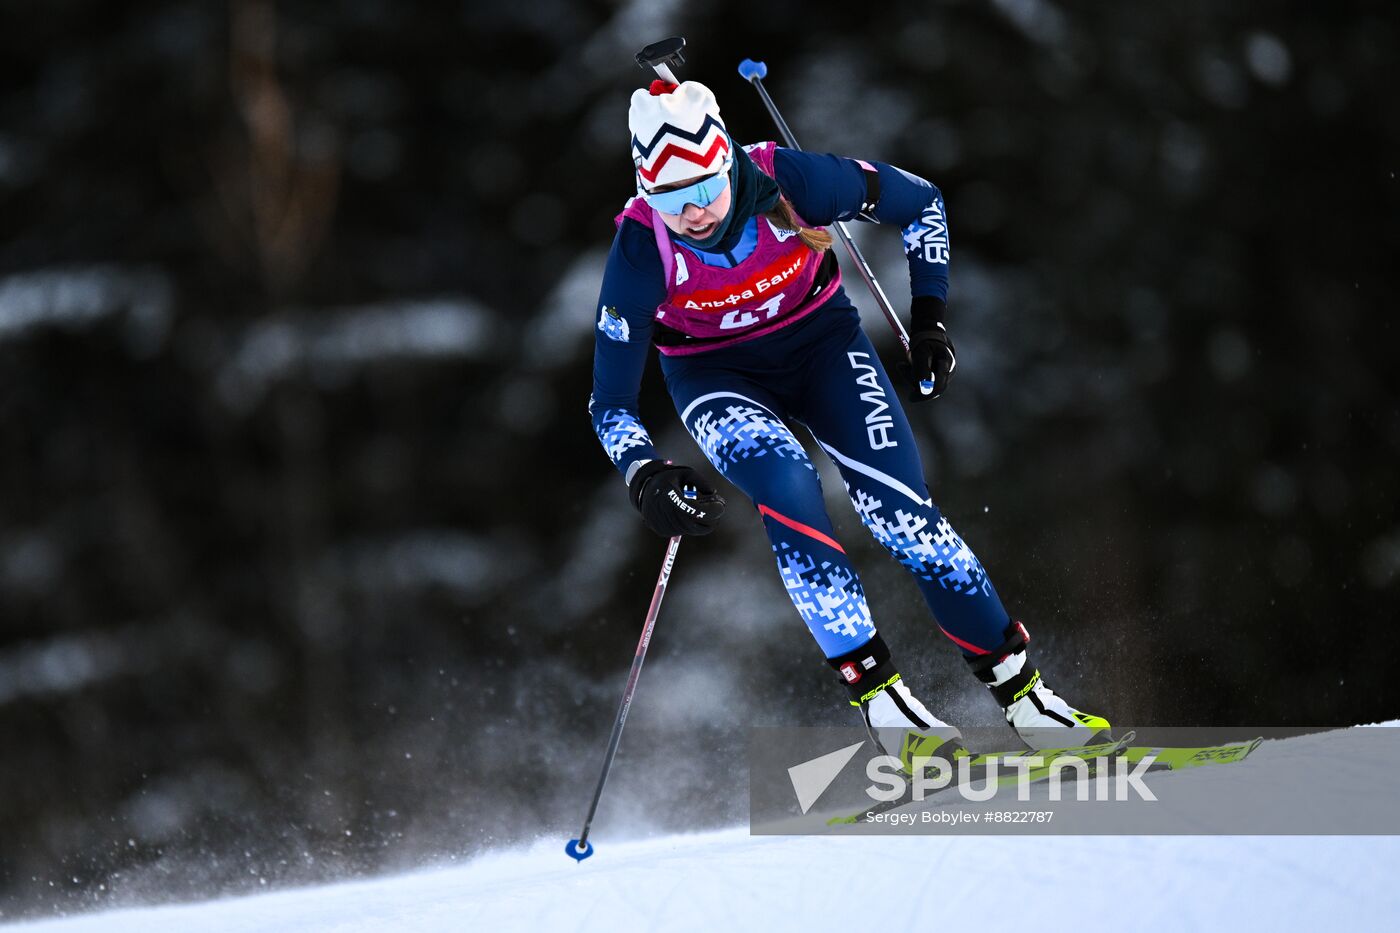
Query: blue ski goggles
point(701, 194)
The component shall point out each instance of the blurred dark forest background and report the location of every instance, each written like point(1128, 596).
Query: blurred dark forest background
point(310, 564)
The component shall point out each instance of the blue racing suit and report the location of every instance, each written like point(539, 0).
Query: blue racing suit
point(740, 402)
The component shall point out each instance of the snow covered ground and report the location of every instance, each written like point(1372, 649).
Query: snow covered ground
point(731, 880)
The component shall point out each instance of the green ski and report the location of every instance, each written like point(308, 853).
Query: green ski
point(1165, 759)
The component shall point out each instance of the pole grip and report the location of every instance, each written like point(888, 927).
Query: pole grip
point(660, 56)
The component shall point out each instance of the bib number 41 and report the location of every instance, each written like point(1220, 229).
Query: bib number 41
point(736, 319)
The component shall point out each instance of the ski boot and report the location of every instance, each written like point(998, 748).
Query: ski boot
point(1039, 716)
point(896, 720)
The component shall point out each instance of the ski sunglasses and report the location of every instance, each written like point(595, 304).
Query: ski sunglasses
point(701, 194)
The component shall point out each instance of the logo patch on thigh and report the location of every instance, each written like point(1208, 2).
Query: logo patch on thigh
point(878, 421)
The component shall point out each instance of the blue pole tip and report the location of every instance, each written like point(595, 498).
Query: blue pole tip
point(576, 851)
point(750, 69)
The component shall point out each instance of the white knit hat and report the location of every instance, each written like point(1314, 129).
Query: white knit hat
point(677, 133)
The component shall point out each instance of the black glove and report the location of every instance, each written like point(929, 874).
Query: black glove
point(930, 350)
point(675, 500)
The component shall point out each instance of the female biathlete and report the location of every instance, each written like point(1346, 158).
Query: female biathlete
point(722, 262)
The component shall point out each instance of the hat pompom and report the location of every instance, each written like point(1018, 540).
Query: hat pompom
point(659, 87)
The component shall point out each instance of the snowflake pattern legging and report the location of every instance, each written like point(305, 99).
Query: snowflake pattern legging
point(822, 372)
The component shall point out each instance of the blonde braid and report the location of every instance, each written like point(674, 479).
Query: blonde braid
point(782, 217)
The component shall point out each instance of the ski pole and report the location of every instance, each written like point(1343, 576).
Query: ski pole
point(658, 55)
point(754, 72)
point(579, 849)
